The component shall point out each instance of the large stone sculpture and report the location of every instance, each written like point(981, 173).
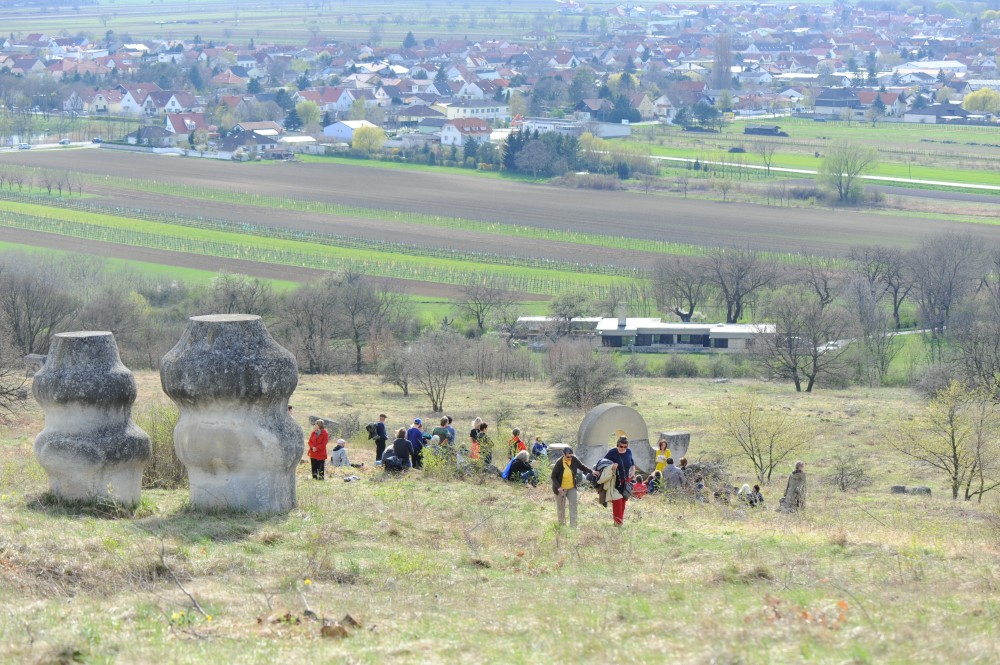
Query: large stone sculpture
point(90, 448)
point(603, 424)
point(231, 382)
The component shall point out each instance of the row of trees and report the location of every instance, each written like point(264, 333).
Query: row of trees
point(819, 317)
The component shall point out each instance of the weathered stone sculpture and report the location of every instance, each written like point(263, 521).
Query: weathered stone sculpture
point(231, 382)
point(603, 424)
point(90, 448)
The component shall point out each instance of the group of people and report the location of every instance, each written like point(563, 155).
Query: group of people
point(613, 476)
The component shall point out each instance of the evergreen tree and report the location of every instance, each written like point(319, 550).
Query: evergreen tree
point(253, 87)
point(470, 148)
point(327, 119)
point(302, 82)
point(293, 122)
point(410, 41)
point(283, 100)
point(441, 76)
point(194, 75)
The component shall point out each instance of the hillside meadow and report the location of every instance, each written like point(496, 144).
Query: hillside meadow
point(439, 570)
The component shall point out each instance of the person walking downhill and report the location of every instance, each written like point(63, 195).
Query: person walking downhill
point(564, 484)
point(621, 456)
point(317, 449)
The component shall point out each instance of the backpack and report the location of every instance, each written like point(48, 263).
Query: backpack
point(372, 429)
point(506, 472)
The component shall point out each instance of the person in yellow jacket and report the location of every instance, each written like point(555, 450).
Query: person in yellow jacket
point(564, 484)
point(662, 455)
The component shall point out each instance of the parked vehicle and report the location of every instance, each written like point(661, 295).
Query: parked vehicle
point(64, 142)
point(97, 139)
point(24, 146)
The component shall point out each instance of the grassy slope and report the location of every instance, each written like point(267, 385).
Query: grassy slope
point(443, 571)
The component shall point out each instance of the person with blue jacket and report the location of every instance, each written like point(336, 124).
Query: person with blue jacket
point(415, 436)
point(621, 456)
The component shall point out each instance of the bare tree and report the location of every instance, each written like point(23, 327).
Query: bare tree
point(436, 358)
point(567, 306)
point(873, 331)
point(823, 277)
point(765, 436)
point(805, 342)
point(483, 296)
point(946, 269)
point(843, 164)
point(32, 307)
point(308, 322)
point(766, 151)
point(976, 339)
point(680, 285)
point(364, 310)
point(12, 378)
point(738, 274)
point(397, 369)
point(956, 434)
point(238, 294)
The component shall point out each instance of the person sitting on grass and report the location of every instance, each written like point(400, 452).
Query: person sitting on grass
point(338, 456)
point(520, 469)
point(397, 458)
point(639, 487)
point(655, 483)
point(538, 448)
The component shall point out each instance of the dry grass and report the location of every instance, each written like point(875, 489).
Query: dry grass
point(441, 571)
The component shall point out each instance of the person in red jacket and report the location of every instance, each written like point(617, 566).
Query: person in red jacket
point(317, 449)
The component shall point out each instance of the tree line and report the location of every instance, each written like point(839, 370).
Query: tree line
point(832, 320)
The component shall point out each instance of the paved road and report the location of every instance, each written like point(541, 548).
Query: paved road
point(869, 178)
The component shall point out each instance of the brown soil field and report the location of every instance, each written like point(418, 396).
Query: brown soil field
point(627, 214)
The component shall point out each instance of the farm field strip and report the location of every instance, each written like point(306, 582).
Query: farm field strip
point(233, 245)
point(255, 199)
point(35, 206)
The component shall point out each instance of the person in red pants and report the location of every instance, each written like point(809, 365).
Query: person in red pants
point(622, 457)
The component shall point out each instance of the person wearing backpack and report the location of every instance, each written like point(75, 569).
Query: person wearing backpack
point(516, 444)
point(381, 436)
point(564, 484)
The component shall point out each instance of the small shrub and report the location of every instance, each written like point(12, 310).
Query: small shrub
point(805, 193)
point(849, 474)
point(349, 425)
point(164, 470)
point(635, 367)
point(439, 462)
point(586, 381)
point(678, 367)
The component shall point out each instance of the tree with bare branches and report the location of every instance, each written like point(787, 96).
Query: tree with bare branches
point(957, 434)
point(738, 274)
point(483, 296)
point(766, 151)
point(805, 342)
point(680, 285)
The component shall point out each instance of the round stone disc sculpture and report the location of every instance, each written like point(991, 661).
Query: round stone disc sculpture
point(231, 382)
point(90, 448)
point(603, 424)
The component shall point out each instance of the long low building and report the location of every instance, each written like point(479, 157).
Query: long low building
point(649, 334)
point(657, 335)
